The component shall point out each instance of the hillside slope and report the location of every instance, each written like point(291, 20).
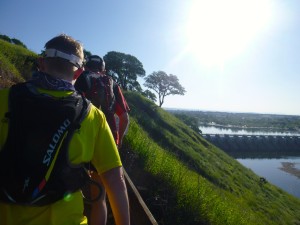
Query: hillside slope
point(190, 181)
point(16, 63)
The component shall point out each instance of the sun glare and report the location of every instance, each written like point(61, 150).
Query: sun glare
point(219, 30)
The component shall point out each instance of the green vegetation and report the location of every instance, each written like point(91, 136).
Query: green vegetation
point(191, 121)
point(16, 63)
point(164, 85)
point(187, 179)
point(266, 122)
point(198, 182)
point(125, 69)
point(12, 40)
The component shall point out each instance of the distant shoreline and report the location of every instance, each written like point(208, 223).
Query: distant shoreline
point(290, 168)
point(238, 127)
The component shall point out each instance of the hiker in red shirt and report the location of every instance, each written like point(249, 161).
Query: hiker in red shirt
point(106, 95)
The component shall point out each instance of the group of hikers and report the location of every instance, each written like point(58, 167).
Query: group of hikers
point(60, 135)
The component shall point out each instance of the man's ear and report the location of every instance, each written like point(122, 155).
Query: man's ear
point(41, 64)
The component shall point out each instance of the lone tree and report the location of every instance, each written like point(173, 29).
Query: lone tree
point(164, 85)
point(125, 69)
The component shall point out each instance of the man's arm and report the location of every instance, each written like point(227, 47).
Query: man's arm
point(115, 187)
point(122, 110)
point(123, 124)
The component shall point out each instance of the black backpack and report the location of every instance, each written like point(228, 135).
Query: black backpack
point(98, 89)
point(34, 164)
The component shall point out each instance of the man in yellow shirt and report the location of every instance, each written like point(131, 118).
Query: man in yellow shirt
point(93, 142)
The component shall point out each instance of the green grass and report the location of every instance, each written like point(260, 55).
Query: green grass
point(16, 63)
point(205, 185)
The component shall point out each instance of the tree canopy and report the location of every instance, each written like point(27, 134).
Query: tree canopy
point(164, 85)
point(148, 94)
point(125, 69)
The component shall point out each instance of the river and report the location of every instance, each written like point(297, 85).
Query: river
point(283, 172)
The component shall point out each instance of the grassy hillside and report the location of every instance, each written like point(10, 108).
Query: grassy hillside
point(183, 178)
point(189, 181)
point(16, 63)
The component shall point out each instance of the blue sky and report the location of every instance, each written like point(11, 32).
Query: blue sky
point(233, 55)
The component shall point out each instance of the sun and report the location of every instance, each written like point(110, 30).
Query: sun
point(219, 30)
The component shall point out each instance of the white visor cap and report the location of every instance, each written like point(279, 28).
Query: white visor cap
point(75, 60)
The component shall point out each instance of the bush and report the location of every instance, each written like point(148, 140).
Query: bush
point(16, 63)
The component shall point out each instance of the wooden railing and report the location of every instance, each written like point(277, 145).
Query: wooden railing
point(139, 212)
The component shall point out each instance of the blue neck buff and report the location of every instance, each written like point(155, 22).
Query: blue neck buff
point(45, 81)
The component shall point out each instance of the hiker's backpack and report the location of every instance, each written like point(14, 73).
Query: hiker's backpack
point(98, 89)
point(34, 163)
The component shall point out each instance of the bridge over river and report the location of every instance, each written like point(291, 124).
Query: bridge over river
point(238, 145)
